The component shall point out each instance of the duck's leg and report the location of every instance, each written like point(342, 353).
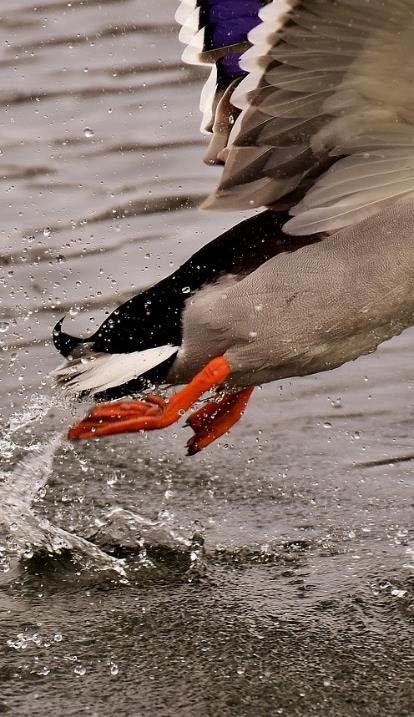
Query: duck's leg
point(153, 412)
point(215, 419)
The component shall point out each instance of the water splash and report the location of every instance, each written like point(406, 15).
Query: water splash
point(410, 555)
point(158, 545)
point(35, 410)
point(25, 534)
point(122, 528)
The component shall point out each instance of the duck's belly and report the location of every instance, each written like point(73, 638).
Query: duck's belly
point(323, 355)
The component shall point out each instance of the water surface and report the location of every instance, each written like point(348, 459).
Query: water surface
point(275, 574)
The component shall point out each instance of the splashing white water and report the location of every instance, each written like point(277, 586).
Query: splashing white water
point(36, 408)
point(22, 532)
point(131, 530)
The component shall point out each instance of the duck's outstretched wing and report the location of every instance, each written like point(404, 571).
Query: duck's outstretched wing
point(216, 34)
point(326, 123)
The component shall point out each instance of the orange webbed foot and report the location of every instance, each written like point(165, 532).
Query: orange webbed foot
point(213, 420)
point(122, 417)
point(151, 413)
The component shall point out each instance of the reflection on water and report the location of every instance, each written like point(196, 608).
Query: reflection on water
point(271, 574)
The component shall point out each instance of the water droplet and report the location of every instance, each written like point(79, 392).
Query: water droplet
point(88, 132)
point(395, 592)
point(73, 311)
point(252, 334)
point(47, 232)
point(4, 326)
point(186, 290)
point(114, 668)
point(327, 424)
point(58, 637)
point(79, 670)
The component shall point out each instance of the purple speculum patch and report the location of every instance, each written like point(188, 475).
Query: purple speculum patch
point(228, 22)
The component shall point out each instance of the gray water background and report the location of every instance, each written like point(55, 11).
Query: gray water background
point(300, 600)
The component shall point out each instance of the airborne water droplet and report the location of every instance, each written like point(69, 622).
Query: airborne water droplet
point(186, 290)
point(88, 132)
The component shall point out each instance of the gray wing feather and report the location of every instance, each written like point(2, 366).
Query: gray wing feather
point(328, 102)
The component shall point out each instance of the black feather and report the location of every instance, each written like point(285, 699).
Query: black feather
point(153, 317)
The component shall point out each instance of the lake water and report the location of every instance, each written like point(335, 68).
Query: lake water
point(271, 574)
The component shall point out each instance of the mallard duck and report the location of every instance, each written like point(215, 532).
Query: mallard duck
point(310, 106)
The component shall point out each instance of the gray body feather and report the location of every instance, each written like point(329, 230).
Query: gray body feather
point(307, 311)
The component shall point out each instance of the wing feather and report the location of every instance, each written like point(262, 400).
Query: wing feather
point(215, 33)
point(329, 93)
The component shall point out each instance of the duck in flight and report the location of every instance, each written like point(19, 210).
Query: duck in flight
point(310, 107)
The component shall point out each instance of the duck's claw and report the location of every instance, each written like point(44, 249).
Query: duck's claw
point(213, 420)
point(199, 419)
point(121, 417)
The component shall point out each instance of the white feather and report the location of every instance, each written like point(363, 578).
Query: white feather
point(273, 18)
point(191, 54)
point(184, 10)
point(97, 372)
point(208, 94)
point(190, 27)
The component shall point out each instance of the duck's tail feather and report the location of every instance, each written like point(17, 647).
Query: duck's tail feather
point(67, 344)
point(100, 374)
